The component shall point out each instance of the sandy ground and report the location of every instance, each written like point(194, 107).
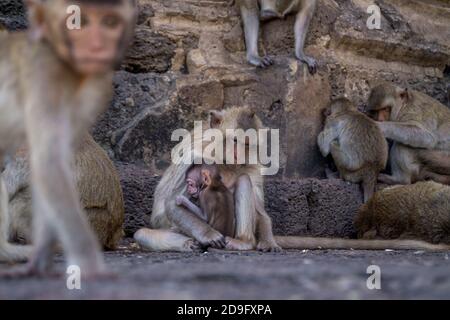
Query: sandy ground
point(251, 275)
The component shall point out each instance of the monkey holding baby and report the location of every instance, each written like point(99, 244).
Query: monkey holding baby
point(254, 11)
point(55, 82)
point(178, 225)
point(98, 186)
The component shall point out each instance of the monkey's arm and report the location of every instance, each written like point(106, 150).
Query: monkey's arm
point(193, 226)
point(301, 28)
point(412, 134)
point(185, 202)
point(328, 135)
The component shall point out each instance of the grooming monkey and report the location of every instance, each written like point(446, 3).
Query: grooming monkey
point(98, 185)
point(419, 126)
point(177, 229)
point(356, 144)
point(204, 184)
point(418, 211)
point(55, 82)
point(252, 11)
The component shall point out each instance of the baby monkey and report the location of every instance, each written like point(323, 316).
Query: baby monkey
point(210, 199)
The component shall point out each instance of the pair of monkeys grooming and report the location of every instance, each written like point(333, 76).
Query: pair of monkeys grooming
point(210, 199)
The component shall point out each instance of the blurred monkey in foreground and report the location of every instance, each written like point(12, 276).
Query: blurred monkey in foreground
point(55, 81)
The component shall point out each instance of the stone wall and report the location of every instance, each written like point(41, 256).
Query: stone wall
point(188, 58)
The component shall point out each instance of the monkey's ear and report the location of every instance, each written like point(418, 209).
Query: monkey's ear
point(215, 118)
point(36, 17)
point(206, 177)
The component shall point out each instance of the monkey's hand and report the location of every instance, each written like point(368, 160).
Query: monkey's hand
point(212, 238)
point(268, 246)
point(324, 149)
point(309, 61)
point(191, 245)
point(259, 62)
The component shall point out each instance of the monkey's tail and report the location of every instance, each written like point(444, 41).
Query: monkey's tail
point(435, 161)
point(369, 182)
point(312, 243)
point(14, 253)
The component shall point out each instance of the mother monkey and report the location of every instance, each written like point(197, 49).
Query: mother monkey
point(177, 229)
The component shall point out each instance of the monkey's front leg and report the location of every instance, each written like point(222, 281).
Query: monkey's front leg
point(194, 227)
point(250, 17)
point(185, 202)
point(302, 22)
point(325, 138)
point(50, 135)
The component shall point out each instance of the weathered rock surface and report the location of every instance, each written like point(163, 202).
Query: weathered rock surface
point(197, 48)
point(12, 15)
point(298, 207)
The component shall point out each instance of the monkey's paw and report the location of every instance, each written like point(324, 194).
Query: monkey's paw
point(213, 239)
point(310, 62)
point(191, 245)
point(259, 62)
point(268, 246)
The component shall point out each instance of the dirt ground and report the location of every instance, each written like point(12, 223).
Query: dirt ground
point(251, 275)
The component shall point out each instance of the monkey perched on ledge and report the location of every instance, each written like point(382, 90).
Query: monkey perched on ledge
point(98, 185)
point(252, 11)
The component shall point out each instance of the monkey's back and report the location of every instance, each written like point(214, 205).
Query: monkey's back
point(418, 211)
point(100, 191)
point(362, 141)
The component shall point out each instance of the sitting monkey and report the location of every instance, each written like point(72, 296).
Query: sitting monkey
point(420, 211)
point(356, 144)
point(98, 186)
point(252, 11)
point(204, 184)
point(419, 127)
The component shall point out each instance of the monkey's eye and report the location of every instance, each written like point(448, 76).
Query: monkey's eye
point(84, 20)
point(111, 21)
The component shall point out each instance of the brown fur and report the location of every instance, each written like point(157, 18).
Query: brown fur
point(216, 201)
point(99, 188)
point(420, 211)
